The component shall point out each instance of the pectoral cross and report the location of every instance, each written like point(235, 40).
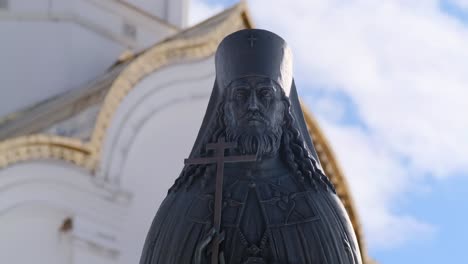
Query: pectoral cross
point(219, 159)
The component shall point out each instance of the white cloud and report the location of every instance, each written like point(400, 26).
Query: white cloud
point(378, 182)
point(403, 64)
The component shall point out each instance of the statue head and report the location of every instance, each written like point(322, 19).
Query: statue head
point(254, 73)
point(254, 103)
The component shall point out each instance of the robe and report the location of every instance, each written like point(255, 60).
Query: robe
point(268, 217)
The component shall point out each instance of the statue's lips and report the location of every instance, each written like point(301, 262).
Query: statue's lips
point(254, 120)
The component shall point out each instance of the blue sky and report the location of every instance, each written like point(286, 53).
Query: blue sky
point(387, 81)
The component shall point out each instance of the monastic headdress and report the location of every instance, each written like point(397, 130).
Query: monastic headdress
point(254, 52)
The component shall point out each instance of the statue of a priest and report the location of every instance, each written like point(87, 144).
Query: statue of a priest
point(252, 190)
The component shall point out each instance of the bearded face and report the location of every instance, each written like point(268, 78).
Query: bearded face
point(254, 114)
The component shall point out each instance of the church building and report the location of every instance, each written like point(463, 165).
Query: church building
point(101, 101)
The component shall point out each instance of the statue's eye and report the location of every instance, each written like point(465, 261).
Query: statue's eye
point(240, 94)
point(266, 93)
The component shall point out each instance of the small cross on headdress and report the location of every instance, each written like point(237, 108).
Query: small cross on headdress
point(251, 38)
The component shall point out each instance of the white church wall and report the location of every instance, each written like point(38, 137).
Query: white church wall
point(49, 47)
point(151, 133)
point(132, 26)
point(42, 59)
point(29, 6)
point(91, 55)
point(156, 8)
point(177, 12)
point(29, 233)
point(174, 12)
point(52, 212)
point(40, 6)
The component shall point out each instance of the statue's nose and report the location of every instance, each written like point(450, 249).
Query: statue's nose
point(253, 104)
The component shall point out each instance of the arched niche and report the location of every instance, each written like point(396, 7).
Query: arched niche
point(153, 130)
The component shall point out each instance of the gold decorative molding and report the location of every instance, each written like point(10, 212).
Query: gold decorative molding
point(40, 146)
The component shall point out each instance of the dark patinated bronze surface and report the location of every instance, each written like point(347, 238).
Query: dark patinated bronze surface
point(219, 160)
point(252, 190)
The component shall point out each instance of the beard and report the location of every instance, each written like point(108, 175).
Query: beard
point(263, 142)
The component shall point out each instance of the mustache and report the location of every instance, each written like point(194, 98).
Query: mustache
point(256, 115)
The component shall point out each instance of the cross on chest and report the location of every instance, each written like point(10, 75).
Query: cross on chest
point(219, 159)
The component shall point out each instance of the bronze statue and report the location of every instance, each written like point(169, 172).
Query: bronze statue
point(252, 190)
